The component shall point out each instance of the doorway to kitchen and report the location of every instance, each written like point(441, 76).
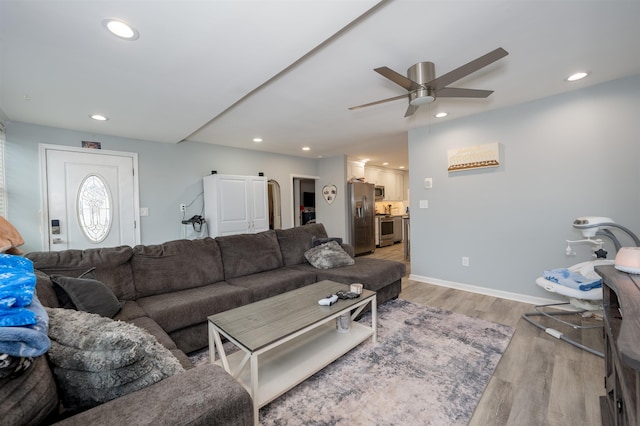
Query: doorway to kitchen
point(304, 200)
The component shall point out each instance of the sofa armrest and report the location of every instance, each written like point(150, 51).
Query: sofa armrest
point(349, 249)
point(204, 395)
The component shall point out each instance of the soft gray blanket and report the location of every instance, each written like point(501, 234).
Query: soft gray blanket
point(97, 359)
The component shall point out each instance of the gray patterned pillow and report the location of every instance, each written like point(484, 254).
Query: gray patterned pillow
point(327, 256)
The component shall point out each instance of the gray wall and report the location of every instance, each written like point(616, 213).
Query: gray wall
point(333, 171)
point(169, 175)
point(570, 155)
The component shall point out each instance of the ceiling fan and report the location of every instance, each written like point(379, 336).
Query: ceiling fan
point(423, 88)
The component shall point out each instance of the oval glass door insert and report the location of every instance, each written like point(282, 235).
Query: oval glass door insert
point(95, 214)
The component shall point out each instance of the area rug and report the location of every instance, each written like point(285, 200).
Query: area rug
point(429, 367)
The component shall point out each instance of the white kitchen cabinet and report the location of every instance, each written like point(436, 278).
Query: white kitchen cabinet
point(235, 204)
point(355, 170)
point(371, 175)
point(393, 181)
point(398, 179)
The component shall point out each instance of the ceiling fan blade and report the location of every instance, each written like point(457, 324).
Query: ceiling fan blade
point(453, 92)
point(410, 110)
point(397, 78)
point(395, 98)
point(467, 69)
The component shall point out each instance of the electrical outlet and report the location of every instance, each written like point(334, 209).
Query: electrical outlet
point(465, 261)
point(183, 207)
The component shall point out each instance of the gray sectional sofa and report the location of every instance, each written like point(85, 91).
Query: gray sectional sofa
point(169, 290)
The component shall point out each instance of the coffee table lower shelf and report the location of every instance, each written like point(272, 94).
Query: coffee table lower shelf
point(285, 366)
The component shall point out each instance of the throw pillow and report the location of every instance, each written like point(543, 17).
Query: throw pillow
point(328, 255)
point(85, 293)
point(315, 241)
point(96, 359)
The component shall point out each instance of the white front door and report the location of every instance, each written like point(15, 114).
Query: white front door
point(90, 198)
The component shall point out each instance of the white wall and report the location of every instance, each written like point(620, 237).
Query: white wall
point(169, 175)
point(570, 155)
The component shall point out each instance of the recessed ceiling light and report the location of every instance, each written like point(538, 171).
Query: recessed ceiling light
point(306, 148)
point(441, 114)
point(121, 29)
point(257, 140)
point(402, 167)
point(385, 164)
point(99, 117)
point(366, 160)
point(577, 76)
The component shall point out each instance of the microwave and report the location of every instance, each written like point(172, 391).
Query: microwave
point(378, 192)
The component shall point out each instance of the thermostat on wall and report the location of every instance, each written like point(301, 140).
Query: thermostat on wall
point(428, 183)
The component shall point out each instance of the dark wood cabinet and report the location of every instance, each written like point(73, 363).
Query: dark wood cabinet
point(621, 301)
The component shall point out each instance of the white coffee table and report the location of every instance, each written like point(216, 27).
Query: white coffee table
point(285, 339)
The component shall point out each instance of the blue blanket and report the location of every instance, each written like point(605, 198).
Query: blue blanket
point(17, 286)
point(27, 341)
point(571, 279)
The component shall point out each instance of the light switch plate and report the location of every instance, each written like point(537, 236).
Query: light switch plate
point(428, 183)
point(424, 204)
point(144, 211)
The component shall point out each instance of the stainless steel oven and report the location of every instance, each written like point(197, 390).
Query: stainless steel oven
point(386, 231)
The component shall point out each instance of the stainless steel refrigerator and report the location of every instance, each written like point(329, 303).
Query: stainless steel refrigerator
point(362, 217)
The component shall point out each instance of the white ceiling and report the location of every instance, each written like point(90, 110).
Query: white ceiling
point(226, 71)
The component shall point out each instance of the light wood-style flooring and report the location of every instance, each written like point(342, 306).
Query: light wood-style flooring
point(540, 380)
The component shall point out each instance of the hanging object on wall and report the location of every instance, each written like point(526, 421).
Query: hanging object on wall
point(92, 145)
point(474, 157)
point(329, 193)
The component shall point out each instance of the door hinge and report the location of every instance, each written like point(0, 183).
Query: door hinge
point(135, 224)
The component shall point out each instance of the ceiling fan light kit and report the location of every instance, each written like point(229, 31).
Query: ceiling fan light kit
point(423, 87)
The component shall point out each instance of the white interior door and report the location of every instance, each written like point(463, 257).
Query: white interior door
point(260, 204)
point(91, 198)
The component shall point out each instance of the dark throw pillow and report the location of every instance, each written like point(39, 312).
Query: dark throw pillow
point(328, 255)
point(85, 293)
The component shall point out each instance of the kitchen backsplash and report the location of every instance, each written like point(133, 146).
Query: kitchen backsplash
point(398, 208)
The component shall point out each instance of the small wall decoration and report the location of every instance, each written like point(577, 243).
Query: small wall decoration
point(329, 193)
point(92, 145)
point(474, 157)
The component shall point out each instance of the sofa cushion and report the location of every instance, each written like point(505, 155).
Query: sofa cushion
point(30, 398)
point(176, 265)
point(295, 241)
point(112, 266)
point(173, 311)
point(247, 254)
point(45, 291)
point(328, 255)
point(373, 273)
point(206, 395)
point(272, 283)
point(319, 241)
point(130, 311)
point(97, 359)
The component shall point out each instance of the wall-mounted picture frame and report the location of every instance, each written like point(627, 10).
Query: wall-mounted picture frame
point(329, 193)
point(91, 145)
point(474, 157)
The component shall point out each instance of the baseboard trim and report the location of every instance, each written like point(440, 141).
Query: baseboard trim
point(524, 298)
